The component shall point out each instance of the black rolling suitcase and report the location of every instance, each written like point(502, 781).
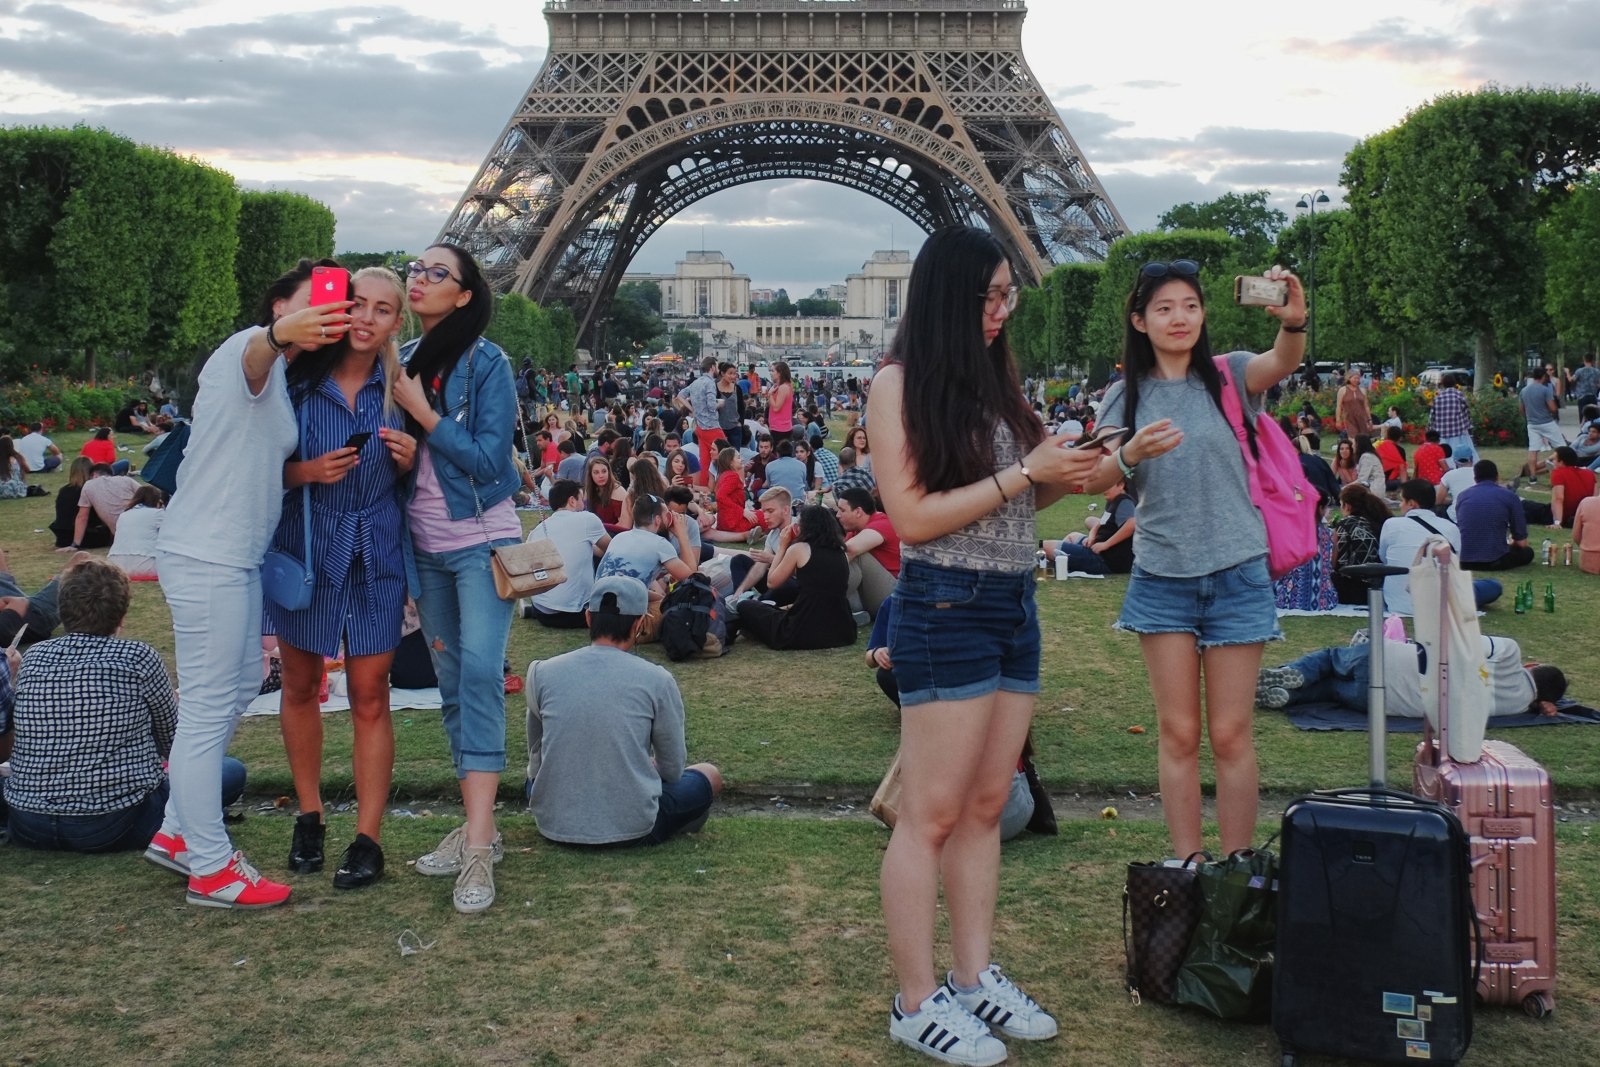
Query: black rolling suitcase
point(1374, 960)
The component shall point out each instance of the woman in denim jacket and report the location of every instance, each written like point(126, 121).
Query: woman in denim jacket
point(460, 398)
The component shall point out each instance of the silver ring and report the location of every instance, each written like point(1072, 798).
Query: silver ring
point(324, 330)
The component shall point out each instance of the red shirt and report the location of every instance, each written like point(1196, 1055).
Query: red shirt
point(1579, 485)
point(887, 553)
point(1429, 456)
point(99, 451)
point(1394, 464)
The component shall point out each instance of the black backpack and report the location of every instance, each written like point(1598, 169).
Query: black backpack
point(694, 621)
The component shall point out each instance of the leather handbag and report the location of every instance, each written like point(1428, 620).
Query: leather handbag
point(1162, 905)
point(287, 580)
point(1278, 484)
point(885, 805)
point(527, 568)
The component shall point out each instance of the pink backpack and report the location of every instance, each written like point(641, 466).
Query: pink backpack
point(1278, 485)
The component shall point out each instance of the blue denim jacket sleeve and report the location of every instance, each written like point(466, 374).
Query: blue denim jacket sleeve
point(480, 442)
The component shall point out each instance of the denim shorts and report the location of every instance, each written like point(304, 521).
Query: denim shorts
point(960, 634)
point(1233, 606)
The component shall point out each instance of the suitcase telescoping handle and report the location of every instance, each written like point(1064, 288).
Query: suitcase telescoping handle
point(1373, 575)
point(1439, 552)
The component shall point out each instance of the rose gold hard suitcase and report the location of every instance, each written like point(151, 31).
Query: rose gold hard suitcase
point(1504, 802)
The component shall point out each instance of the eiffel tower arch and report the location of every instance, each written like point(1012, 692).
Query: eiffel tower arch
point(643, 107)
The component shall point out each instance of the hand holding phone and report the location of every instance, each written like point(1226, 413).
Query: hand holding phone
point(1251, 290)
point(356, 440)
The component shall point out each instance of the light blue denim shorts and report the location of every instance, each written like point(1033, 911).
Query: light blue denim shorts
point(1233, 606)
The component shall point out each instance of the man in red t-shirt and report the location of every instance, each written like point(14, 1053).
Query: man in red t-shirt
point(1392, 456)
point(873, 548)
point(1571, 484)
point(1429, 459)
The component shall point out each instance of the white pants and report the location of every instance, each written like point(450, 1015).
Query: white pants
point(216, 620)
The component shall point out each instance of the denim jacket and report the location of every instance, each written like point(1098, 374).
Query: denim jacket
point(474, 440)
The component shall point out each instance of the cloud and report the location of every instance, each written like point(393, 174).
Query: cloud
point(280, 88)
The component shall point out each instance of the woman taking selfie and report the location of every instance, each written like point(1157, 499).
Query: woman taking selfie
point(461, 400)
point(1200, 597)
point(343, 394)
point(209, 552)
point(962, 464)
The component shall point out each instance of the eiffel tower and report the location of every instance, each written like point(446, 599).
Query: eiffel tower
point(643, 107)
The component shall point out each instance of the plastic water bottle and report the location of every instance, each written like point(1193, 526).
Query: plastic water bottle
point(1547, 553)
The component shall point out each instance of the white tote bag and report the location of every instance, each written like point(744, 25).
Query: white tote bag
point(1451, 627)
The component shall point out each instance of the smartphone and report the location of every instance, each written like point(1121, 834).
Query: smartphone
point(1102, 438)
point(358, 439)
point(17, 640)
point(1251, 290)
point(329, 285)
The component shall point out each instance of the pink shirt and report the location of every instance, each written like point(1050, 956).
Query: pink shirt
point(432, 528)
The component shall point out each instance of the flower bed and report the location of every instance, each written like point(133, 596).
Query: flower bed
point(61, 403)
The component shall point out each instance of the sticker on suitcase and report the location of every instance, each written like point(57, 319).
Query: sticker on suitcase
point(1410, 1029)
point(1418, 1050)
point(1399, 1004)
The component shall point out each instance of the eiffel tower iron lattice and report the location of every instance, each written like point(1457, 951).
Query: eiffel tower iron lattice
point(643, 107)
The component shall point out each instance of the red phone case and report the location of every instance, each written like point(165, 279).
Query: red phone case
point(329, 285)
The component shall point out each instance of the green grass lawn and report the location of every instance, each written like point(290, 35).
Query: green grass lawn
point(759, 941)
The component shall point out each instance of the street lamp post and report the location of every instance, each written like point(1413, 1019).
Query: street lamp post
point(1309, 202)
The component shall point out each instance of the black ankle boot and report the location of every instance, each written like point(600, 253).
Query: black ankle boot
point(305, 851)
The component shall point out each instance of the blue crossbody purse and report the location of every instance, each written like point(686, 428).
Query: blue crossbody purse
point(287, 580)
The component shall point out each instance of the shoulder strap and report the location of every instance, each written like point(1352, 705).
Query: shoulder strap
point(1430, 527)
point(305, 487)
point(1233, 410)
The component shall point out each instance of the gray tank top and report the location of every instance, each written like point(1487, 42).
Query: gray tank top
point(1004, 540)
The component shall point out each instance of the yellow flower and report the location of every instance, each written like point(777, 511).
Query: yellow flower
point(1499, 382)
point(1413, 379)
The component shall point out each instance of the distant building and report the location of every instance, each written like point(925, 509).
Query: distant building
point(837, 293)
point(763, 296)
point(705, 284)
point(879, 290)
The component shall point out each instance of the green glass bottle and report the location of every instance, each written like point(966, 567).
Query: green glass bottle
point(1550, 597)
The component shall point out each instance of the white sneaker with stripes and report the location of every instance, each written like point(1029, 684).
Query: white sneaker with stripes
point(1008, 1009)
point(946, 1031)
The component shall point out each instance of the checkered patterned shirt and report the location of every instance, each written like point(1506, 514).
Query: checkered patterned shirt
point(94, 719)
point(854, 478)
point(827, 466)
point(7, 695)
point(1450, 413)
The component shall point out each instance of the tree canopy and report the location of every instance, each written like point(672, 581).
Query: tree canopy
point(1243, 216)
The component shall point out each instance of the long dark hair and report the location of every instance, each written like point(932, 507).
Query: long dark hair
point(1139, 355)
point(819, 528)
point(442, 347)
point(283, 287)
point(1366, 504)
point(956, 387)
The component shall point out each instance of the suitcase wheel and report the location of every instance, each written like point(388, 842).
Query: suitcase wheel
point(1536, 1005)
point(1289, 1059)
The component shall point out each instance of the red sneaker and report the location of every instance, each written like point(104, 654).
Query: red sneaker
point(169, 851)
point(238, 885)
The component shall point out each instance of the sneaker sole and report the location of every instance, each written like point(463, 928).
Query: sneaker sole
point(203, 901)
point(1275, 698)
point(934, 1053)
point(1279, 677)
point(161, 859)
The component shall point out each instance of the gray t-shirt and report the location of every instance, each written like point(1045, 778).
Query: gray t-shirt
point(590, 746)
point(1536, 398)
point(575, 534)
point(1195, 513)
point(636, 553)
point(571, 468)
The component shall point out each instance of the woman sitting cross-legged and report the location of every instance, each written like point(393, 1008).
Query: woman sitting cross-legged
point(813, 551)
point(735, 520)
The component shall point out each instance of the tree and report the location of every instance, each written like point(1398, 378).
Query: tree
point(194, 297)
point(634, 321)
point(1346, 329)
point(395, 261)
point(1229, 326)
point(685, 342)
point(815, 307)
point(1569, 238)
point(1244, 216)
point(561, 343)
point(778, 308)
point(518, 326)
point(1446, 209)
point(276, 230)
point(1071, 287)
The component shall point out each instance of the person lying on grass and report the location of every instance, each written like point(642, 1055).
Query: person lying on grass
point(1339, 675)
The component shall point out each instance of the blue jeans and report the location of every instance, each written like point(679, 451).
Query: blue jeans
point(467, 625)
point(113, 831)
point(1082, 558)
point(1335, 675)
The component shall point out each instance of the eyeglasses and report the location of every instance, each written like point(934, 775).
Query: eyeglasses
point(995, 299)
point(435, 274)
point(1188, 268)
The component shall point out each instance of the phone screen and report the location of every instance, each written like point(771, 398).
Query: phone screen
point(1104, 439)
point(329, 285)
point(358, 439)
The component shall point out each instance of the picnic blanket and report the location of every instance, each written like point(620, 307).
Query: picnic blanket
point(1340, 717)
point(268, 703)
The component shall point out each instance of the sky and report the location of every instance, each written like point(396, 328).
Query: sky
point(384, 110)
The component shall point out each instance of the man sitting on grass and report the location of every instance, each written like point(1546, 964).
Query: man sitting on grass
point(606, 762)
point(93, 723)
point(749, 569)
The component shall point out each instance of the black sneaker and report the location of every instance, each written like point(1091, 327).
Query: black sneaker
point(361, 864)
point(305, 851)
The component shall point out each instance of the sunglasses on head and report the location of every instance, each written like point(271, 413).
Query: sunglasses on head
point(1187, 268)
